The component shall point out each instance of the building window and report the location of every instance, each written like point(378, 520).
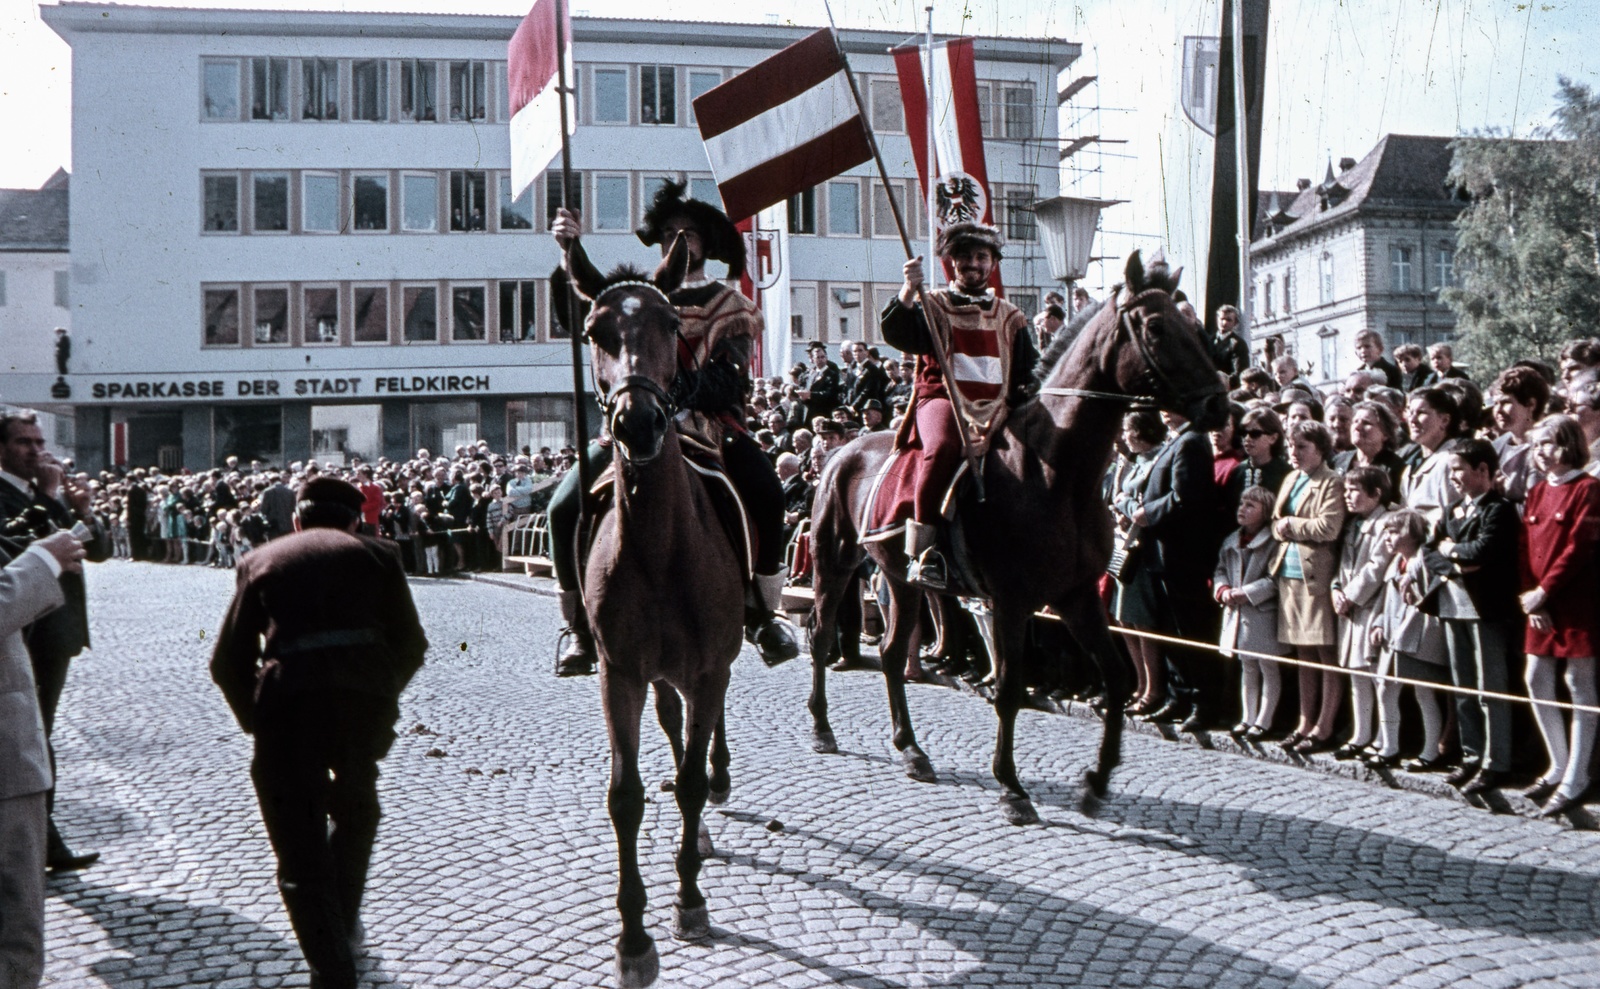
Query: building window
point(1329, 340)
point(221, 204)
point(701, 83)
point(802, 311)
point(419, 203)
point(649, 186)
point(469, 91)
point(1018, 110)
point(222, 317)
point(844, 310)
point(269, 89)
point(611, 207)
point(220, 89)
point(63, 287)
point(844, 209)
point(319, 203)
point(706, 191)
point(1288, 291)
point(888, 113)
point(1020, 224)
point(658, 94)
point(467, 312)
point(421, 311)
point(1266, 296)
point(370, 202)
point(369, 90)
point(271, 316)
point(803, 212)
point(2, 288)
point(502, 85)
point(322, 315)
point(320, 89)
point(519, 312)
point(371, 312)
point(1028, 302)
point(515, 213)
point(986, 109)
point(610, 96)
point(1400, 268)
point(883, 224)
point(467, 200)
point(419, 90)
point(1444, 267)
point(271, 213)
point(554, 200)
point(1325, 279)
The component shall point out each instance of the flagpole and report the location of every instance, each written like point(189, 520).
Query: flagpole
point(580, 415)
point(974, 465)
point(1241, 157)
point(933, 210)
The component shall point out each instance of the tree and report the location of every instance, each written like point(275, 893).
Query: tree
point(1528, 245)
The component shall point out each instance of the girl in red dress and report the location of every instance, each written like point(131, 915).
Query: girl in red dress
point(1561, 578)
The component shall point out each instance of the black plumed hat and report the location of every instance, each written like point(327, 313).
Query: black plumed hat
point(721, 240)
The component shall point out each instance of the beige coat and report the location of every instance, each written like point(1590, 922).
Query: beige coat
point(1305, 610)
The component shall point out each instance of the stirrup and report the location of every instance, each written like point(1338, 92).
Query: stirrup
point(776, 640)
point(575, 656)
point(928, 571)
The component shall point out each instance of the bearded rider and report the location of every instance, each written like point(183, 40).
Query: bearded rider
point(992, 359)
point(718, 326)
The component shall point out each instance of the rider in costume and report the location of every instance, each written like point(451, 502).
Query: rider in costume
point(718, 326)
point(992, 358)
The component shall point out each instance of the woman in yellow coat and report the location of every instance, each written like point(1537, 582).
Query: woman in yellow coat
point(1306, 522)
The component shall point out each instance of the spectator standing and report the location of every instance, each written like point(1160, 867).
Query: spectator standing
point(1364, 558)
point(1411, 643)
point(1561, 585)
point(1136, 600)
point(1518, 400)
point(1369, 351)
point(823, 385)
point(1414, 373)
point(372, 503)
point(870, 382)
point(1244, 586)
point(1261, 440)
point(1228, 350)
point(277, 507)
point(1435, 421)
point(1374, 430)
point(1583, 402)
point(1442, 357)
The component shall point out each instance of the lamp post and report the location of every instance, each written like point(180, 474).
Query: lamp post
point(1068, 225)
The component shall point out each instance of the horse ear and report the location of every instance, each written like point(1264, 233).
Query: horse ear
point(1133, 274)
point(1172, 282)
point(674, 267)
point(586, 279)
point(561, 291)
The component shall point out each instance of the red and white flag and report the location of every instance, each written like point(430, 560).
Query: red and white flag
point(782, 126)
point(962, 193)
point(535, 104)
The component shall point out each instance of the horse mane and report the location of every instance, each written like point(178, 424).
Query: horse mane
point(627, 273)
point(1066, 337)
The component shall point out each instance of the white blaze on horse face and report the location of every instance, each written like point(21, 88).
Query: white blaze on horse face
point(630, 306)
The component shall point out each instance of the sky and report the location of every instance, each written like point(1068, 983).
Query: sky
point(1341, 73)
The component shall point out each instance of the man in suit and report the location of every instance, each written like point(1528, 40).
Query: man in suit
point(277, 507)
point(1228, 350)
point(29, 589)
point(1474, 585)
point(138, 510)
point(32, 489)
point(870, 381)
point(320, 640)
point(1179, 515)
point(823, 386)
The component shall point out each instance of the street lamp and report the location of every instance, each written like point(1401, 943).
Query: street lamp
point(1068, 225)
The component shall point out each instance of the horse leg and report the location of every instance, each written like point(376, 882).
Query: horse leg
point(690, 919)
point(1009, 692)
point(904, 601)
point(637, 962)
point(830, 580)
point(721, 782)
point(669, 714)
point(1086, 621)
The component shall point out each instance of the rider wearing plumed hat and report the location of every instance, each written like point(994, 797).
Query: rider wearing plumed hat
point(992, 358)
point(718, 326)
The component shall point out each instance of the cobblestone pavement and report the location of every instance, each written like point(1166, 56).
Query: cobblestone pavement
point(494, 862)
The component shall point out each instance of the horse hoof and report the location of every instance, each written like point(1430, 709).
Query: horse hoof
point(824, 743)
point(1094, 783)
point(1018, 810)
point(703, 842)
point(638, 971)
point(918, 767)
point(669, 786)
point(691, 923)
point(718, 797)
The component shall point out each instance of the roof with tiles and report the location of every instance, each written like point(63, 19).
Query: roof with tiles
point(1403, 171)
point(35, 219)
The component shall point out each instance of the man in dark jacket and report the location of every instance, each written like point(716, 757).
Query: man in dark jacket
point(1228, 350)
point(870, 381)
point(1472, 565)
point(321, 696)
point(823, 386)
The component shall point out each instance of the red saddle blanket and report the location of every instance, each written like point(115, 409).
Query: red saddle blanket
point(892, 499)
point(731, 509)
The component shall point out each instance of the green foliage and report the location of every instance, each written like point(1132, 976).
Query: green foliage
point(1528, 246)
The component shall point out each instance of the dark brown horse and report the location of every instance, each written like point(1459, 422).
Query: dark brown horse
point(1042, 536)
point(663, 590)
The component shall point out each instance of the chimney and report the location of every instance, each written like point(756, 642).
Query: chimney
point(1302, 184)
point(1345, 164)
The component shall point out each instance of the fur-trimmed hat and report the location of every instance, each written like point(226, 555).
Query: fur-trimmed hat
point(719, 238)
point(959, 235)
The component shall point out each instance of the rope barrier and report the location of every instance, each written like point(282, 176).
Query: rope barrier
point(1448, 688)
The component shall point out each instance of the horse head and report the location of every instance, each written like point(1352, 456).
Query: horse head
point(1168, 360)
point(633, 327)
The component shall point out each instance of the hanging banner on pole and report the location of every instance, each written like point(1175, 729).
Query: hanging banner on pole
point(535, 102)
point(962, 190)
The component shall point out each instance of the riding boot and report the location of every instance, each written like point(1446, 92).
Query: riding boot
point(774, 637)
point(926, 568)
point(577, 659)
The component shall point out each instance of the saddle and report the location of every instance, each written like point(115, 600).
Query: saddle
point(890, 504)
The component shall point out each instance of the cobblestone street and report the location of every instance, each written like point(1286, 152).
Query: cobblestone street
point(494, 864)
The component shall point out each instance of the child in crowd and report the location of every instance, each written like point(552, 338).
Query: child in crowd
point(1409, 644)
point(1248, 593)
point(1364, 557)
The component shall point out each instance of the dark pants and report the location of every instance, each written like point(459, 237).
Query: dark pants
point(749, 470)
point(50, 679)
point(1480, 659)
point(316, 762)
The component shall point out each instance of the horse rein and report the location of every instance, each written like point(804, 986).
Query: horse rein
point(608, 398)
point(1152, 369)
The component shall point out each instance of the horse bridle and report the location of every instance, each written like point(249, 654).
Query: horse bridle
point(1153, 370)
point(608, 398)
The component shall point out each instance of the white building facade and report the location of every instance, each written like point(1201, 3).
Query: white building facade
point(295, 238)
point(35, 298)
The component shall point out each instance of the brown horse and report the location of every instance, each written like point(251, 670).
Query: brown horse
point(1041, 537)
point(663, 590)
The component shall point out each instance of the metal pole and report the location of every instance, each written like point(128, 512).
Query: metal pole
point(580, 415)
point(933, 171)
point(1241, 132)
